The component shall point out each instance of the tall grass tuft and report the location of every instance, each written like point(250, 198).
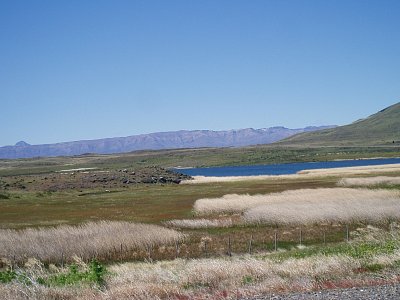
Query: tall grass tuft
point(230, 203)
point(352, 170)
point(193, 279)
point(200, 223)
point(308, 206)
point(370, 181)
point(86, 241)
point(341, 205)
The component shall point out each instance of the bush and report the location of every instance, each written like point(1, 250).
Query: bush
point(4, 196)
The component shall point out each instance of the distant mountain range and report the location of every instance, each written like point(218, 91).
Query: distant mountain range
point(379, 129)
point(156, 141)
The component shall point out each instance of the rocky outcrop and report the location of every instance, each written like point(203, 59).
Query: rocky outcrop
point(92, 179)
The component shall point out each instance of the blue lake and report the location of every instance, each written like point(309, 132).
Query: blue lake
point(281, 169)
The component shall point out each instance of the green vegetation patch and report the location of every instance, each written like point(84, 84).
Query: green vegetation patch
point(247, 280)
point(95, 274)
point(362, 250)
point(7, 276)
point(4, 196)
point(374, 267)
point(11, 275)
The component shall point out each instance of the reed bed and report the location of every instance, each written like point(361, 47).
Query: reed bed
point(369, 181)
point(231, 203)
point(308, 206)
point(19, 291)
point(86, 241)
point(352, 170)
point(230, 278)
point(200, 223)
point(341, 205)
point(235, 277)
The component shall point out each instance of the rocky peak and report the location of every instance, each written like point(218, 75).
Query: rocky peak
point(22, 144)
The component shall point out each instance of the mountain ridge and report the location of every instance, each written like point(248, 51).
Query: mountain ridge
point(156, 141)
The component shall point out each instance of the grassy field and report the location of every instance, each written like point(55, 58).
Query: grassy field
point(187, 255)
point(140, 203)
point(381, 128)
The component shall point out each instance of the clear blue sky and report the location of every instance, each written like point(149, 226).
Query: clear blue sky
point(72, 70)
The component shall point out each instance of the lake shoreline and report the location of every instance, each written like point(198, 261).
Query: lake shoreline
point(311, 173)
point(283, 168)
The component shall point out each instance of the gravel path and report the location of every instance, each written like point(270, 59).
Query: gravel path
point(387, 292)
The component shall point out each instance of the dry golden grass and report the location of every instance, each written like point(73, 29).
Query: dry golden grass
point(214, 179)
point(230, 203)
point(86, 241)
point(236, 276)
point(364, 170)
point(326, 205)
point(272, 178)
point(200, 223)
point(18, 291)
point(316, 173)
point(229, 278)
point(308, 206)
point(369, 181)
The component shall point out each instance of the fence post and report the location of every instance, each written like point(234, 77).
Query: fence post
point(276, 241)
point(324, 238)
point(251, 244)
point(205, 247)
point(176, 249)
point(229, 247)
point(62, 259)
point(13, 263)
point(347, 233)
point(149, 249)
point(301, 237)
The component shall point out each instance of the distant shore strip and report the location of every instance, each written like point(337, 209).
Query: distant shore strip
point(363, 170)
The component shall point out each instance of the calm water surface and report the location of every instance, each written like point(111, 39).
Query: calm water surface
point(281, 169)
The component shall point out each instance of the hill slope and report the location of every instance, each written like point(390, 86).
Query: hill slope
point(156, 141)
point(382, 128)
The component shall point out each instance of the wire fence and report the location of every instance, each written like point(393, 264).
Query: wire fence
point(204, 246)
